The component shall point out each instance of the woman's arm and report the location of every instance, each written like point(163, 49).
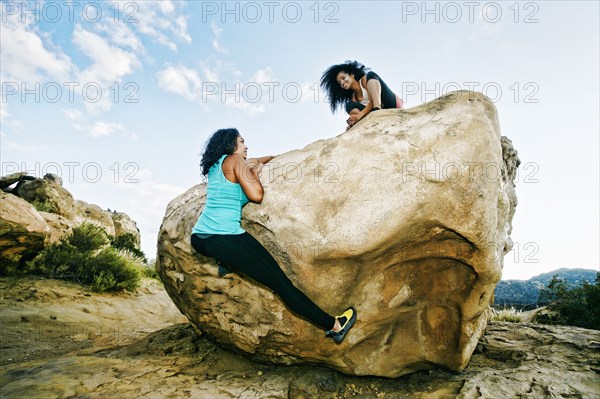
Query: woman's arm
point(361, 114)
point(248, 178)
point(252, 162)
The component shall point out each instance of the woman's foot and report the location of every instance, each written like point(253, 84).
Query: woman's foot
point(222, 270)
point(342, 325)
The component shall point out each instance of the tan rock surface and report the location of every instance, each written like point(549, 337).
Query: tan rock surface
point(48, 195)
point(23, 231)
point(58, 225)
point(46, 318)
point(406, 216)
point(63, 212)
point(60, 341)
point(124, 224)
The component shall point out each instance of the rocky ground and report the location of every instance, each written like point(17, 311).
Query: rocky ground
point(60, 341)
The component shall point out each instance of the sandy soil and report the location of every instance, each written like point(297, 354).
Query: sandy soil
point(59, 340)
point(42, 318)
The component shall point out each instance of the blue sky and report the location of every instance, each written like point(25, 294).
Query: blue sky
point(162, 68)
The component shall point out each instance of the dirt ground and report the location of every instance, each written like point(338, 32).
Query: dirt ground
point(59, 340)
point(43, 318)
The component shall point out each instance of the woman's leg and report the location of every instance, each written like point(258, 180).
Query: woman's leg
point(353, 107)
point(243, 253)
point(399, 102)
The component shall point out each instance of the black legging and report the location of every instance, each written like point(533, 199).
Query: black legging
point(243, 253)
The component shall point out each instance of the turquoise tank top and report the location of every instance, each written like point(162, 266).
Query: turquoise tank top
point(222, 212)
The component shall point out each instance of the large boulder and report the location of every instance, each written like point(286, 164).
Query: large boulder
point(406, 216)
point(23, 232)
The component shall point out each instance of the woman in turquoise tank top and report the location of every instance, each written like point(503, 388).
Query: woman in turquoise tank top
point(233, 181)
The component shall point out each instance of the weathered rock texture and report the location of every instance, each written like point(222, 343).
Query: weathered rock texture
point(22, 230)
point(406, 216)
point(512, 361)
point(38, 212)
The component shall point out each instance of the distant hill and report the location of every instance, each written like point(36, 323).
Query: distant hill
point(521, 293)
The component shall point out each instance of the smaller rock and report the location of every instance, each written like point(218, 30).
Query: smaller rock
point(54, 178)
point(7, 181)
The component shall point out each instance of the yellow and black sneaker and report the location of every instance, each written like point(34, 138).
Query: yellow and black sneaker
point(346, 320)
point(222, 270)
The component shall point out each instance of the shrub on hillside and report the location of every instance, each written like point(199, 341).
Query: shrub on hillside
point(126, 242)
point(88, 237)
point(110, 271)
point(86, 256)
point(149, 270)
point(574, 307)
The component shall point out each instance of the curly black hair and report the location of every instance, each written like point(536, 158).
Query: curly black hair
point(223, 141)
point(337, 96)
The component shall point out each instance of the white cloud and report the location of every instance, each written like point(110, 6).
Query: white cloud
point(102, 129)
point(98, 128)
point(213, 68)
point(6, 120)
point(180, 80)
point(180, 28)
point(158, 19)
point(216, 41)
point(166, 6)
point(250, 97)
point(210, 75)
point(15, 147)
point(263, 75)
point(29, 55)
point(109, 65)
point(74, 115)
point(122, 35)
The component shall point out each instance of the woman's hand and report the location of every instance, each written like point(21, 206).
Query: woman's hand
point(354, 118)
point(253, 161)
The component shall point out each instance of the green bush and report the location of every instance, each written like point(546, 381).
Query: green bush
point(86, 256)
point(88, 237)
point(43, 206)
point(59, 260)
point(127, 243)
point(574, 307)
point(110, 271)
point(149, 270)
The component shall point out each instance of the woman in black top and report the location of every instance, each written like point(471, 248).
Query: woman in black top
point(358, 90)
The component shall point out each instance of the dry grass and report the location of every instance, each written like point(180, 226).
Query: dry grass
point(508, 314)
